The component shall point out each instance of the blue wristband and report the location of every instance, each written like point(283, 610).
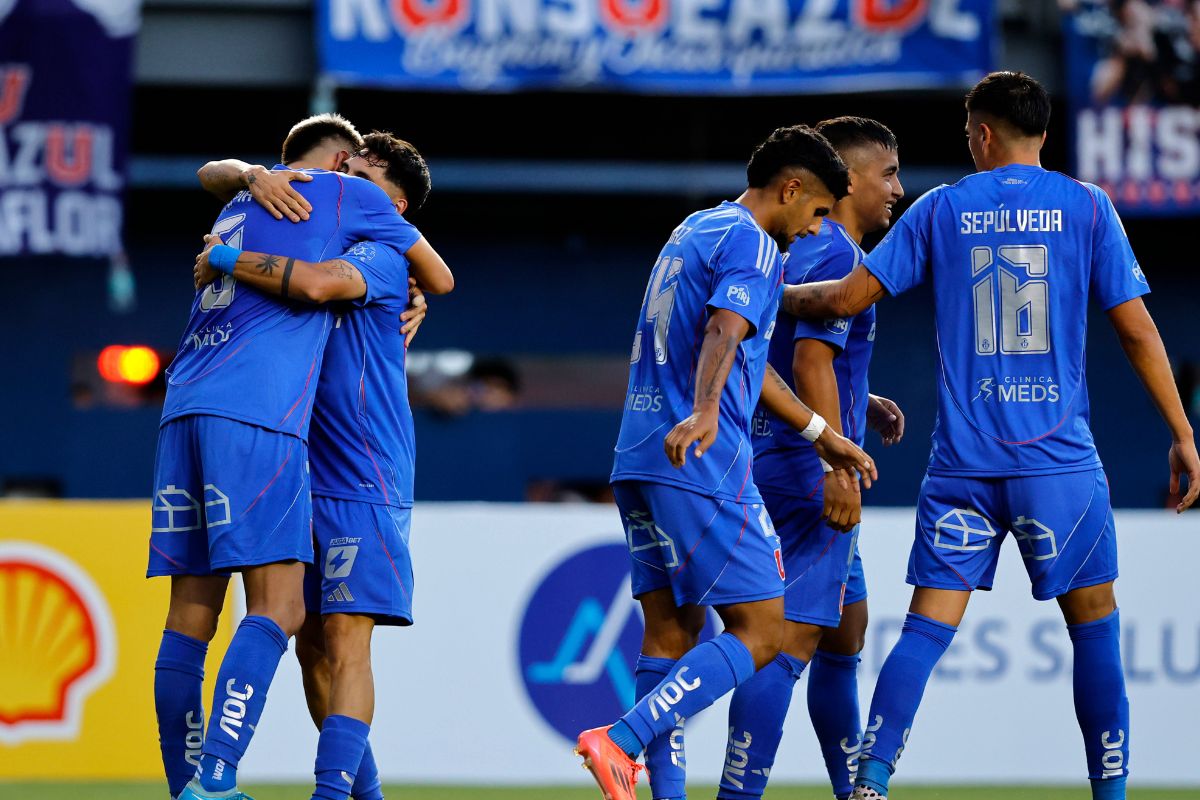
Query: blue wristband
point(223, 257)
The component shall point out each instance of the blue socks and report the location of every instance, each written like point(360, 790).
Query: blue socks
point(178, 702)
point(756, 716)
point(339, 755)
point(664, 756)
point(241, 693)
point(898, 694)
point(833, 709)
point(1101, 705)
point(366, 782)
point(708, 671)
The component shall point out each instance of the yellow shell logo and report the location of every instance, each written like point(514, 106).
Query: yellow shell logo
point(56, 635)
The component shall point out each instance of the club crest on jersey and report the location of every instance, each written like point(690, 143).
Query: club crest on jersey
point(363, 250)
point(738, 294)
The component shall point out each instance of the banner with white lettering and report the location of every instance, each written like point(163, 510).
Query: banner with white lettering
point(525, 623)
point(667, 46)
point(65, 83)
point(1133, 72)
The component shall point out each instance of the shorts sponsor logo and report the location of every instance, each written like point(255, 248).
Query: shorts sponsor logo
point(339, 561)
point(838, 326)
point(963, 529)
point(59, 648)
point(176, 510)
point(738, 294)
point(579, 640)
point(1035, 541)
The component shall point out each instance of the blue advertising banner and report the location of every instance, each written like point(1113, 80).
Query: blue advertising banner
point(1133, 71)
point(65, 82)
point(657, 46)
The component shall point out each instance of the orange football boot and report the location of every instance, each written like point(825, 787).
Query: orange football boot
point(614, 771)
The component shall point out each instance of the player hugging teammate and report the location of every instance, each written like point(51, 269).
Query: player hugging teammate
point(313, 322)
point(1013, 253)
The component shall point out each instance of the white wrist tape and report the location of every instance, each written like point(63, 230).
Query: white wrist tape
point(825, 466)
point(815, 427)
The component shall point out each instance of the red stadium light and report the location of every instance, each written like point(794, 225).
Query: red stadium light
point(133, 364)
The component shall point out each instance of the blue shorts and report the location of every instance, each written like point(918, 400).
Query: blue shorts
point(1063, 525)
point(363, 565)
point(710, 552)
point(227, 495)
point(856, 584)
point(816, 559)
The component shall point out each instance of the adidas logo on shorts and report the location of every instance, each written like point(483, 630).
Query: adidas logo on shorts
point(341, 594)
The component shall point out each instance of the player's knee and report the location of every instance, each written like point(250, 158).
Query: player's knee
point(198, 626)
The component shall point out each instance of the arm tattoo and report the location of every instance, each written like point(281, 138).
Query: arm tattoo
point(715, 383)
point(266, 264)
point(250, 179)
point(340, 269)
point(287, 276)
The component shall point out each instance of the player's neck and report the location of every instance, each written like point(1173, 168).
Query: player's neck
point(847, 219)
point(759, 207)
point(1016, 158)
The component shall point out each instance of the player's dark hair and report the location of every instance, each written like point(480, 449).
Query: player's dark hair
point(402, 164)
point(846, 133)
point(1015, 98)
point(798, 146)
point(307, 134)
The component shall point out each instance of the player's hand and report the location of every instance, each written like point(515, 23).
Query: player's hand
point(843, 501)
point(1184, 461)
point(202, 272)
point(885, 418)
point(414, 313)
point(841, 453)
point(272, 190)
point(700, 427)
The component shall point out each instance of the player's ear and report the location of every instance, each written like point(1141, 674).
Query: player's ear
point(401, 205)
point(791, 189)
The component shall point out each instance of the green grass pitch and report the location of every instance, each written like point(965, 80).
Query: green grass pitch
point(154, 791)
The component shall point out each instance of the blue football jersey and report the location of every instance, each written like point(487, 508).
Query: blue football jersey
point(784, 461)
point(718, 258)
point(362, 442)
point(255, 358)
point(1013, 254)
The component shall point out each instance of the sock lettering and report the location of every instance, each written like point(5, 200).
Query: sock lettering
point(676, 741)
point(1113, 759)
point(233, 710)
point(736, 758)
point(671, 693)
point(193, 741)
point(869, 736)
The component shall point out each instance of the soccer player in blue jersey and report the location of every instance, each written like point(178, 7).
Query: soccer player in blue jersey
point(362, 458)
point(697, 531)
point(815, 517)
point(231, 481)
point(1013, 252)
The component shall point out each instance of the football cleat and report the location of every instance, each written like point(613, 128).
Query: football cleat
point(615, 772)
point(194, 791)
point(865, 793)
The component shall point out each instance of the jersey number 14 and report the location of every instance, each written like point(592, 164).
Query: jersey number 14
point(658, 305)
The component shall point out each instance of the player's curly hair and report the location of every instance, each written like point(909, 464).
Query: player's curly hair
point(403, 165)
point(307, 134)
point(846, 133)
point(1014, 97)
point(798, 146)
